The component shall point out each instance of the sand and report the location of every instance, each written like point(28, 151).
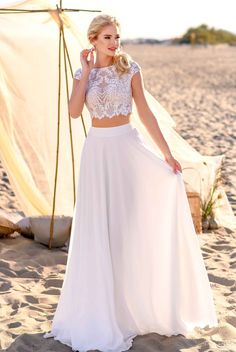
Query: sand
point(197, 86)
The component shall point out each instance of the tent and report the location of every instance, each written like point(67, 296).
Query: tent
point(40, 145)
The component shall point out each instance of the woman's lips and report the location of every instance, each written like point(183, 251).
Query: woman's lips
point(112, 49)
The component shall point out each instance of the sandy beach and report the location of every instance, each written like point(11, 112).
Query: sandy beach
point(197, 87)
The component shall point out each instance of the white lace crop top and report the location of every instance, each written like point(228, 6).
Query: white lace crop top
point(107, 93)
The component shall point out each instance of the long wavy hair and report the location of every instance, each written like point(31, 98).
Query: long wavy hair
point(121, 59)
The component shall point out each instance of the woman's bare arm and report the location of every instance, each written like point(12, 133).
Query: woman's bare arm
point(146, 115)
point(77, 98)
point(149, 120)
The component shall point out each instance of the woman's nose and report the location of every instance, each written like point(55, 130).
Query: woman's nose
point(116, 42)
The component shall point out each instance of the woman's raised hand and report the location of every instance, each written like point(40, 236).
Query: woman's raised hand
point(87, 65)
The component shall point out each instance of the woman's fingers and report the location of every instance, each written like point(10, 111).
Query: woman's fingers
point(85, 52)
point(178, 166)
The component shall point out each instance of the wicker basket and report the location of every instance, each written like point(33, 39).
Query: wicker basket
point(195, 207)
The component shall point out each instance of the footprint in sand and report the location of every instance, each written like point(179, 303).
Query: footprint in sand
point(36, 308)
point(15, 305)
point(25, 273)
point(207, 250)
point(8, 272)
point(233, 255)
point(14, 325)
point(220, 248)
point(53, 283)
point(52, 291)
point(233, 266)
point(5, 286)
point(31, 299)
point(14, 312)
point(231, 320)
point(222, 242)
point(5, 264)
point(221, 280)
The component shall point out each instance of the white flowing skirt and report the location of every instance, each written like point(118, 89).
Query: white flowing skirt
point(134, 262)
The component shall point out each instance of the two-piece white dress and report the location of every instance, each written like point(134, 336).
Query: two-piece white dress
point(134, 262)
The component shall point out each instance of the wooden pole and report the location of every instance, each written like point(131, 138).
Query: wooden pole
point(69, 118)
point(7, 11)
point(58, 133)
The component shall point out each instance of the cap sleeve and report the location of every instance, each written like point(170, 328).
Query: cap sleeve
point(134, 68)
point(77, 74)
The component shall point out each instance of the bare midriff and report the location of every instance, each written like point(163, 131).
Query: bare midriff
point(116, 120)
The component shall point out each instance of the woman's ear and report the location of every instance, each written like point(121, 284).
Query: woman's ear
point(93, 43)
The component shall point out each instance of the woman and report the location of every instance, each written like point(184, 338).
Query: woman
point(134, 263)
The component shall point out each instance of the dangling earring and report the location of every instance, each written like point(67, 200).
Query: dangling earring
point(93, 48)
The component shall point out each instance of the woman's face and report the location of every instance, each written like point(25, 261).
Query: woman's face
point(108, 40)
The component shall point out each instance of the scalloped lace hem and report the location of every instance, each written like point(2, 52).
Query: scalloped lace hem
point(125, 113)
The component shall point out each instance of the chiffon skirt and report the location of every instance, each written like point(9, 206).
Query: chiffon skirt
point(134, 262)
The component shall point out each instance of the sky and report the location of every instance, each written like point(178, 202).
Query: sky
point(154, 18)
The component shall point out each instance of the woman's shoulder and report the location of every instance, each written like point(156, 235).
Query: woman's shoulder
point(134, 66)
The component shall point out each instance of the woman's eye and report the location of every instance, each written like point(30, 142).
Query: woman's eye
point(109, 37)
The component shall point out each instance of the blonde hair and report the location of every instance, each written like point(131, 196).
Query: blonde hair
point(121, 60)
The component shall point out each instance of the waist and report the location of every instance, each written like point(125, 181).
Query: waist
point(111, 121)
point(111, 131)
